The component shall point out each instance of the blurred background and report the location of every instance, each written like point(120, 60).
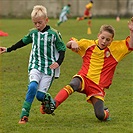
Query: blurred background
point(23, 8)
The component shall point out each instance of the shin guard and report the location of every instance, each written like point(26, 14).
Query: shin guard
point(63, 95)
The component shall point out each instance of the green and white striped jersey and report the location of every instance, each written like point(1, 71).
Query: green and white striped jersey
point(65, 10)
point(45, 47)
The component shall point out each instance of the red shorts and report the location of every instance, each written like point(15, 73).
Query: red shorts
point(91, 89)
point(86, 12)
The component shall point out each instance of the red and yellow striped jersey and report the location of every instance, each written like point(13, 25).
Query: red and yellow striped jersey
point(89, 5)
point(99, 65)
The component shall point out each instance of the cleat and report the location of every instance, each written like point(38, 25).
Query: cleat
point(77, 19)
point(23, 120)
point(49, 104)
point(42, 108)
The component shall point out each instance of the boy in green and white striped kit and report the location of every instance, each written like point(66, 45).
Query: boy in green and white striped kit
point(65, 12)
point(47, 54)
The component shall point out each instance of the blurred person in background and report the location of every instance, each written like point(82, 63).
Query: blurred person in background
point(65, 13)
point(87, 13)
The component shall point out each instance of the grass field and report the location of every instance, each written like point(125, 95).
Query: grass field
point(75, 115)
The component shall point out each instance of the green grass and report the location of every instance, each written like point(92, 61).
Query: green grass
point(75, 114)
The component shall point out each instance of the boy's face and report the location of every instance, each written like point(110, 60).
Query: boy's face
point(104, 39)
point(40, 22)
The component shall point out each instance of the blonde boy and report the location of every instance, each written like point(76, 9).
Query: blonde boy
point(46, 56)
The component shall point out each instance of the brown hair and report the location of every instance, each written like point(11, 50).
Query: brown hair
point(107, 28)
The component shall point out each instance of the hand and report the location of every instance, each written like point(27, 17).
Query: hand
point(74, 46)
point(54, 65)
point(2, 50)
point(130, 24)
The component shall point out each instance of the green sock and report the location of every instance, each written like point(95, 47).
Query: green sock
point(25, 109)
point(59, 23)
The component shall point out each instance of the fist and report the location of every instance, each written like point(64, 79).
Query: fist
point(2, 50)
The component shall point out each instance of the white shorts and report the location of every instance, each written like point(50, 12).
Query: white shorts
point(44, 81)
point(63, 17)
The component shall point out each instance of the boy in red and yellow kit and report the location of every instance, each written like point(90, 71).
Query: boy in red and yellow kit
point(100, 58)
point(87, 13)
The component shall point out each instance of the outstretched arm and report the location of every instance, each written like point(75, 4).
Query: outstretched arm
point(130, 26)
point(19, 44)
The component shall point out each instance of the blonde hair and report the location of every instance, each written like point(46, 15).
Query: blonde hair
point(39, 11)
point(107, 28)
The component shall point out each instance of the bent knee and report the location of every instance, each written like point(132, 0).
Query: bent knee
point(75, 83)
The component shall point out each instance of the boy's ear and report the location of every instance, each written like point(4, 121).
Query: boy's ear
point(47, 19)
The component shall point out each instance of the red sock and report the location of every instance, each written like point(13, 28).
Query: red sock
point(61, 96)
point(106, 115)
